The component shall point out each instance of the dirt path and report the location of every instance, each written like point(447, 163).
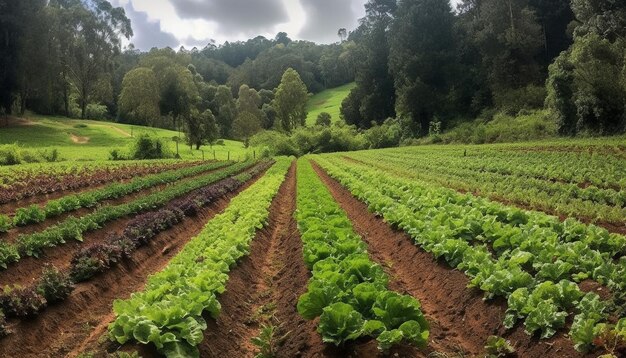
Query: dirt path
point(78, 139)
point(264, 289)
point(460, 320)
point(74, 325)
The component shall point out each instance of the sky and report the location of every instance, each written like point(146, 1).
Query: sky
point(161, 23)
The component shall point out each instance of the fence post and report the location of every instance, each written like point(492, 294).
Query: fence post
point(254, 154)
point(214, 157)
point(228, 155)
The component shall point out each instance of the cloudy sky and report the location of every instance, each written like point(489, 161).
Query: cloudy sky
point(192, 23)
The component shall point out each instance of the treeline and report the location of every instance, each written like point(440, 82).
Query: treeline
point(430, 67)
point(64, 57)
point(420, 67)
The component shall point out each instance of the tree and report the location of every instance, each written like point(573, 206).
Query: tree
point(343, 34)
point(373, 98)
point(179, 93)
point(139, 100)
point(606, 18)
point(584, 87)
point(323, 119)
point(92, 48)
point(245, 126)
point(249, 101)
point(422, 60)
point(201, 128)
point(227, 110)
point(291, 100)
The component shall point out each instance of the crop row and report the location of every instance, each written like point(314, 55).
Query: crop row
point(55, 286)
point(531, 259)
point(73, 228)
point(35, 214)
point(605, 205)
point(30, 180)
point(576, 167)
point(169, 311)
point(347, 291)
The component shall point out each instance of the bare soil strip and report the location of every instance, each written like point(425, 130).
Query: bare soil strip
point(252, 288)
point(70, 327)
point(460, 319)
point(14, 233)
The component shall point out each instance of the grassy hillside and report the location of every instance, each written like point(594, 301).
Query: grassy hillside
point(327, 101)
point(93, 140)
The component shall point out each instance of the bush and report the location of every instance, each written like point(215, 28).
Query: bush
point(323, 119)
point(146, 147)
point(54, 285)
point(21, 302)
point(512, 101)
point(13, 154)
point(96, 111)
point(384, 136)
point(116, 154)
point(504, 128)
point(10, 154)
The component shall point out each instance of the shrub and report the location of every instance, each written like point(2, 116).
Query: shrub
point(21, 302)
point(54, 285)
point(146, 147)
point(323, 119)
point(10, 154)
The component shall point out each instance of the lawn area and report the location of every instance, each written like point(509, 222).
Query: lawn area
point(327, 101)
point(93, 140)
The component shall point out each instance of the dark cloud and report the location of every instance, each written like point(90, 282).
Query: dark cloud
point(235, 16)
point(148, 34)
point(325, 17)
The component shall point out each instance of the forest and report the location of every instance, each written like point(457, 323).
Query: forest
point(421, 68)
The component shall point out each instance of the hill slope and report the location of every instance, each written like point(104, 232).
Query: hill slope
point(93, 140)
point(327, 101)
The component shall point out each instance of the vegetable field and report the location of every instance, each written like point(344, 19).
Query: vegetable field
point(443, 251)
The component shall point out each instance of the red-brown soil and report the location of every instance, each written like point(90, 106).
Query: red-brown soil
point(14, 233)
point(84, 184)
point(70, 327)
point(460, 319)
point(28, 269)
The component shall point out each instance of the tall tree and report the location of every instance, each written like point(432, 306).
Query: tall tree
point(227, 110)
point(201, 128)
point(509, 39)
point(291, 99)
point(373, 98)
point(139, 100)
point(245, 126)
point(422, 60)
point(93, 46)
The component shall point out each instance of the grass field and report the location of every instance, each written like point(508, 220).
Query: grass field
point(93, 140)
point(327, 101)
